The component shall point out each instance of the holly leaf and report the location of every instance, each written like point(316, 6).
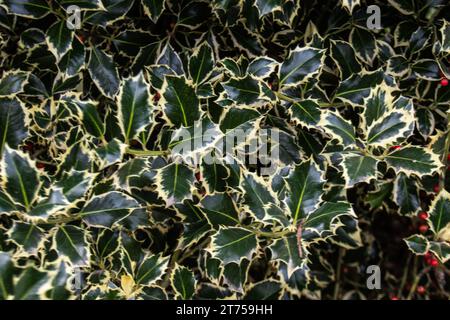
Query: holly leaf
point(175, 183)
point(28, 237)
point(72, 243)
point(153, 8)
point(183, 282)
point(418, 244)
point(13, 82)
point(103, 72)
point(59, 39)
point(439, 215)
point(233, 244)
point(359, 168)
point(108, 209)
point(344, 56)
point(20, 177)
point(35, 9)
point(305, 188)
point(13, 130)
point(406, 194)
point(287, 249)
point(338, 128)
point(151, 269)
point(134, 106)
point(300, 65)
point(201, 63)
point(413, 160)
point(6, 275)
point(364, 43)
point(180, 103)
point(220, 210)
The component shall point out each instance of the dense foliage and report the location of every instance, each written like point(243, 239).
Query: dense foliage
point(98, 202)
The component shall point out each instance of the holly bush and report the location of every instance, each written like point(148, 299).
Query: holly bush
point(110, 113)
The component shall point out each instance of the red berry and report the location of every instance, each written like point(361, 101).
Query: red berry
point(423, 215)
point(421, 290)
point(448, 157)
point(428, 255)
point(434, 262)
point(156, 97)
point(423, 228)
point(40, 165)
point(444, 82)
point(393, 148)
point(198, 176)
point(436, 188)
point(394, 298)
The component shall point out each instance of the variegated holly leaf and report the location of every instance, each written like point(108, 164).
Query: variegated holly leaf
point(288, 250)
point(244, 91)
point(358, 87)
point(338, 128)
point(28, 237)
point(30, 9)
point(103, 72)
point(391, 128)
point(220, 210)
point(13, 82)
point(262, 67)
point(305, 189)
point(75, 184)
point(441, 250)
point(440, 215)
point(418, 244)
point(233, 244)
point(180, 103)
point(398, 66)
point(72, 243)
point(74, 60)
point(413, 160)
point(20, 177)
point(193, 143)
point(359, 168)
point(59, 38)
point(301, 64)
point(445, 34)
point(364, 43)
point(214, 176)
point(153, 8)
point(257, 196)
point(201, 63)
point(264, 290)
point(150, 269)
point(268, 6)
point(350, 4)
point(183, 282)
point(111, 153)
point(344, 56)
point(108, 209)
point(52, 206)
point(12, 123)
point(306, 113)
point(175, 183)
point(6, 275)
point(32, 284)
point(324, 221)
point(134, 106)
point(377, 104)
point(406, 194)
point(426, 69)
point(90, 116)
point(404, 6)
